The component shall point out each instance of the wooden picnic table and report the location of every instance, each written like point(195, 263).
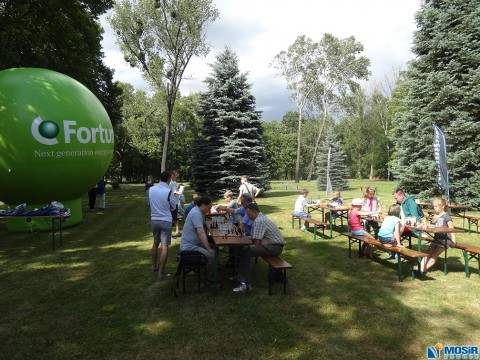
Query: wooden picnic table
point(227, 240)
point(424, 204)
point(342, 212)
point(432, 230)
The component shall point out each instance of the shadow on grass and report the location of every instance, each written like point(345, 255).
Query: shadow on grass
point(96, 297)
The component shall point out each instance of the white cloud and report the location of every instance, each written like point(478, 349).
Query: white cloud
point(257, 30)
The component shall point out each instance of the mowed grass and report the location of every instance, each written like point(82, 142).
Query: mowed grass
point(96, 298)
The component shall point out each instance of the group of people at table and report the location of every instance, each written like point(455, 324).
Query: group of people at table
point(366, 215)
point(266, 238)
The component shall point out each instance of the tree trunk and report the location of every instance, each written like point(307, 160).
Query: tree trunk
point(166, 139)
point(297, 165)
point(317, 143)
point(388, 161)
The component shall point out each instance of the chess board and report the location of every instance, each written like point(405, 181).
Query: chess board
point(222, 228)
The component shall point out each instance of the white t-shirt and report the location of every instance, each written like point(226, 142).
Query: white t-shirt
point(300, 203)
point(173, 187)
point(248, 188)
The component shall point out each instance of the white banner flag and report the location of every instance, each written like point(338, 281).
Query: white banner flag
point(329, 183)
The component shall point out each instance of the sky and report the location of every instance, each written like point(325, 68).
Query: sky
point(257, 30)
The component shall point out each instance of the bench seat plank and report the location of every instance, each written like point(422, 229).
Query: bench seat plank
point(277, 263)
point(316, 224)
point(469, 252)
point(471, 219)
point(405, 252)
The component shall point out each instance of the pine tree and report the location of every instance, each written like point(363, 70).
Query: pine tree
point(232, 143)
point(443, 88)
point(338, 171)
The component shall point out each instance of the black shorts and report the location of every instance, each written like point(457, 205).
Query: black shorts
point(175, 214)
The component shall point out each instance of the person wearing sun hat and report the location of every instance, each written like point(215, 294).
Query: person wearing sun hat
point(355, 223)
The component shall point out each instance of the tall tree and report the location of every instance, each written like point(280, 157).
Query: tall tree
point(160, 37)
point(63, 36)
point(443, 88)
point(298, 65)
point(280, 149)
point(397, 104)
point(232, 142)
point(318, 72)
point(362, 134)
point(335, 166)
point(339, 65)
point(186, 129)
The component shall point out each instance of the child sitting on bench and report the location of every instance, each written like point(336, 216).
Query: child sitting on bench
point(300, 203)
point(355, 223)
point(391, 229)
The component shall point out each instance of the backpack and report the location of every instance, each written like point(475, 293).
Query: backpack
point(278, 276)
point(250, 188)
point(420, 211)
point(187, 258)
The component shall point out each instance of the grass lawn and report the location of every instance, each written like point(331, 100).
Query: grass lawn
point(96, 297)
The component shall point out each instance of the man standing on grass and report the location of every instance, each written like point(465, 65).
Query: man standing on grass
point(162, 203)
point(266, 239)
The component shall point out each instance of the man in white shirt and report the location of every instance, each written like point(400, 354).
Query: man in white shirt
point(162, 203)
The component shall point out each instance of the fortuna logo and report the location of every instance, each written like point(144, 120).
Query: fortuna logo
point(46, 132)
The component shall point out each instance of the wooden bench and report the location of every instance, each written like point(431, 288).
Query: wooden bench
point(471, 220)
point(315, 223)
point(278, 264)
point(287, 184)
point(469, 252)
point(407, 253)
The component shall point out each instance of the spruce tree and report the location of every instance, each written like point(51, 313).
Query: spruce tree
point(337, 169)
point(232, 143)
point(444, 89)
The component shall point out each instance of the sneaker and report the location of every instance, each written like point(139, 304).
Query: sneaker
point(393, 256)
point(241, 287)
point(232, 277)
point(303, 228)
point(164, 276)
point(155, 268)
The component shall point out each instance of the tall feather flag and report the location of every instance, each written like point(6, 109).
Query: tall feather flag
point(329, 183)
point(440, 153)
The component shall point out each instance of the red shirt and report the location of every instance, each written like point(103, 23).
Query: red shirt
point(354, 220)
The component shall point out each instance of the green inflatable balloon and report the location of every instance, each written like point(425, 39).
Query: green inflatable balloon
point(56, 139)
